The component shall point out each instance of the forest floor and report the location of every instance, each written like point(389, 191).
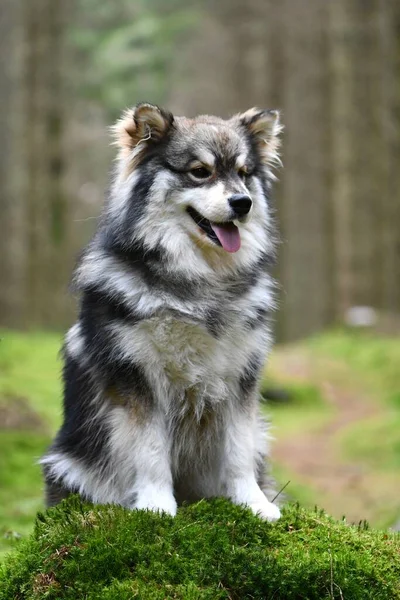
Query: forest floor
point(341, 448)
point(337, 440)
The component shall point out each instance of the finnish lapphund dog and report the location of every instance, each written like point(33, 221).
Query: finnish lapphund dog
point(161, 370)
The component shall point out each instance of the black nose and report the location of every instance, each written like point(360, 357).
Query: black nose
point(241, 204)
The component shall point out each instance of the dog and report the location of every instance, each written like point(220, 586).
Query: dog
point(161, 370)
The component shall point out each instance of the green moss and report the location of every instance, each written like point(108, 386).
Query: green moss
point(210, 550)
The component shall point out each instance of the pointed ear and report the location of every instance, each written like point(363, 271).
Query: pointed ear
point(141, 125)
point(265, 127)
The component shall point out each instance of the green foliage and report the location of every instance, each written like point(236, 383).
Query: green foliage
point(210, 550)
point(127, 49)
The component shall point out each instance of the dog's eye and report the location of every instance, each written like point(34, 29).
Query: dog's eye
point(243, 173)
point(200, 172)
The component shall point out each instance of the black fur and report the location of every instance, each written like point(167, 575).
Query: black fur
point(261, 317)
point(249, 378)
point(84, 434)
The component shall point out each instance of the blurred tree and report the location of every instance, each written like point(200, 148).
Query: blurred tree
point(129, 47)
point(306, 271)
point(12, 233)
point(43, 124)
point(356, 145)
point(389, 105)
point(365, 57)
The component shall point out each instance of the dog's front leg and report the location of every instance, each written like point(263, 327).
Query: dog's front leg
point(148, 456)
point(240, 465)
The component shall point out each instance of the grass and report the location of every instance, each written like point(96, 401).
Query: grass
point(21, 493)
point(30, 399)
point(305, 408)
point(369, 356)
point(211, 550)
point(384, 452)
point(375, 362)
point(375, 366)
point(30, 368)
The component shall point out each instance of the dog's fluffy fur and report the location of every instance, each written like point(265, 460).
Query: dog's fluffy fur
point(161, 369)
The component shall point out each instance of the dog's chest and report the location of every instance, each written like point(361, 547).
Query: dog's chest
point(190, 355)
point(181, 347)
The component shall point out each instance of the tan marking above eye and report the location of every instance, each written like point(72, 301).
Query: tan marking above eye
point(205, 157)
point(241, 162)
point(201, 165)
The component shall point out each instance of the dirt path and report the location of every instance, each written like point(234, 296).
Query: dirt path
point(341, 486)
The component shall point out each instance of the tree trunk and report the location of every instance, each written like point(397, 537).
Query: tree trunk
point(389, 71)
point(305, 210)
point(357, 149)
point(44, 193)
point(340, 29)
point(12, 236)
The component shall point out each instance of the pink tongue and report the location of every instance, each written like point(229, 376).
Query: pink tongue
point(228, 235)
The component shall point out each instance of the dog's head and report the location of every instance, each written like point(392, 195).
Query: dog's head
point(195, 185)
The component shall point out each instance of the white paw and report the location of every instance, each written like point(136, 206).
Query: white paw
point(156, 500)
point(247, 492)
point(266, 510)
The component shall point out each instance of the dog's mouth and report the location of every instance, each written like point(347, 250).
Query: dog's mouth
point(222, 234)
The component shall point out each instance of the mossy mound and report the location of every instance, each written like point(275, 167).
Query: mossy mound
point(211, 550)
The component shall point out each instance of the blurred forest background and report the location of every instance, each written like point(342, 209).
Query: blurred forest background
point(332, 67)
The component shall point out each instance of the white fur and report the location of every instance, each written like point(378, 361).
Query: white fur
point(211, 202)
point(160, 344)
point(74, 341)
point(241, 161)
point(142, 452)
point(206, 158)
point(240, 452)
point(121, 191)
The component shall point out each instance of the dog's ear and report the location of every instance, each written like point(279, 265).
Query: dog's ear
point(141, 126)
point(265, 127)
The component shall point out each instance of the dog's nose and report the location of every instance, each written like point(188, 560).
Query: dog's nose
point(240, 204)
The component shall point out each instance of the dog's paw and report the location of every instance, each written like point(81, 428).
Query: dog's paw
point(157, 501)
point(265, 510)
point(246, 492)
